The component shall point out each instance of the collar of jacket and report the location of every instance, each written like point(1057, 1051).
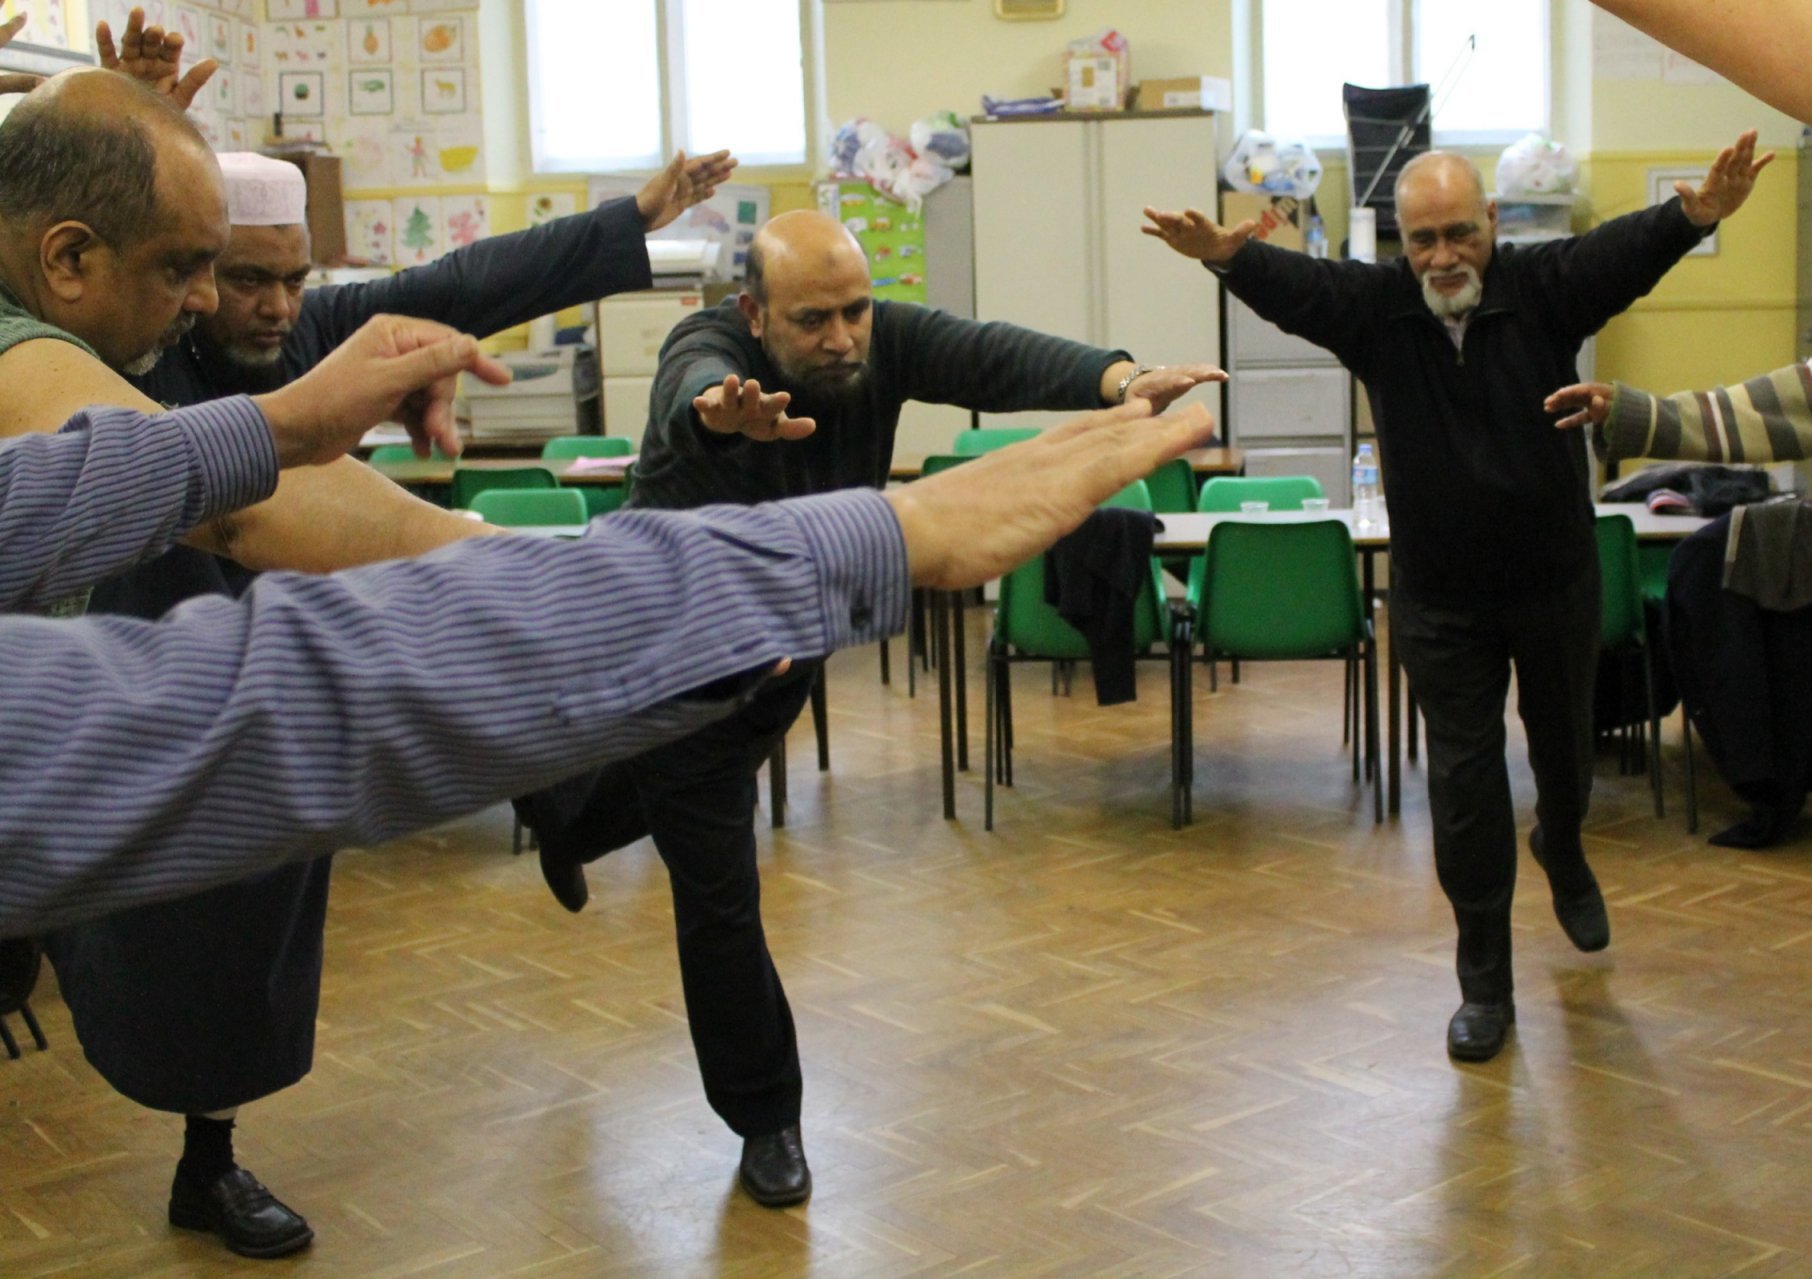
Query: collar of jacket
point(1498, 298)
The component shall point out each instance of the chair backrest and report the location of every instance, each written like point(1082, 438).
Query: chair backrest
point(943, 462)
point(565, 446)
point(469, 482)
point(1224, 493)
point(530, 506)
point(1280, 590)
point(986, 439)
point(1172, 487)
point(404, 453)
point(1620, 605)
point(1028, 624)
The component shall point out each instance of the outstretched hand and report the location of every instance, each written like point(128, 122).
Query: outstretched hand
point(1161, 386)
point(742, 408)
point(11, 83)
point(974, 522)
point(1727, 186)
point(682, 184)
point(395, 368)
point(153, 57)
point(1195, 235)
point(1590, 400)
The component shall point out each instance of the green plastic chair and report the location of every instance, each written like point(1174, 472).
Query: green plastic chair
point(1651, 563)
point(985, 439)
point(404, 453)
point(1026, 629)
point(469, 482)
point(1623, 625)
point(600, 499)
point(918, 651)
point(516, 507)
point(1172, 488)
point(1223, 494)
point(1290, 592)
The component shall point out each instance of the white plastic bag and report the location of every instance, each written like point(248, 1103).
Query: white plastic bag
point(1534, 165)
point(1261, 164)
point(944, 137)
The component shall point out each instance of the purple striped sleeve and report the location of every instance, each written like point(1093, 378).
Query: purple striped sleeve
point(321, 711)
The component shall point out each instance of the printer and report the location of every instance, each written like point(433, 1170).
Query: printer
point(552, 392)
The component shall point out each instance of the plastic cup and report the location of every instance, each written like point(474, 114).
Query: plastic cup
point(1254, 508)
point(1315, 505)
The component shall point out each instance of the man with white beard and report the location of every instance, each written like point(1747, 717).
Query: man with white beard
point(1493, 558)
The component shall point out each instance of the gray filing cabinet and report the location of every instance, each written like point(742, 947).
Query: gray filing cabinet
point(1289, 404)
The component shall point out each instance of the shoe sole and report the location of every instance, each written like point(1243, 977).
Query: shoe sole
point(777, 1201)
point(204, 1224)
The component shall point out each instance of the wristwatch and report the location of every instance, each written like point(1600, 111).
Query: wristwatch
point(1138, 371)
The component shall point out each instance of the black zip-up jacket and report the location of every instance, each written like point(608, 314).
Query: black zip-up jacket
point(1488, 501)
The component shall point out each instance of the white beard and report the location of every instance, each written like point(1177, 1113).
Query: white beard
point(1453, 305)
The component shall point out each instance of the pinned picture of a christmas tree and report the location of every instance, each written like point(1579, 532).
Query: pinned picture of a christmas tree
point(418, 232)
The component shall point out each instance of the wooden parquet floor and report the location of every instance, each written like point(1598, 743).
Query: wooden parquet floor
point(1084, 1045)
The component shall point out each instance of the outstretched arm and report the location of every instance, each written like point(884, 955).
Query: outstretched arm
point(1760, 44)
point(1766, 419)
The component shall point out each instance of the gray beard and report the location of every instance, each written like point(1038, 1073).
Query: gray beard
point(143, 364)
point(1452, 307)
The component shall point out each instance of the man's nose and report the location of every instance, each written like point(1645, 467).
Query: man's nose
point(838, 337)
point(204, 298)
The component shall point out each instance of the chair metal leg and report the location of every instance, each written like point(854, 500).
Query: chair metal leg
point(1692, 782)
point(886, 670)
point(777, 784)
point(958, 665)
point(6, 1037)
point(1409, 701)
point(1654, 732)
point(1371, 729)
point(821, 721)
point(516, 837)
point(990, 729)
point(1005, 697)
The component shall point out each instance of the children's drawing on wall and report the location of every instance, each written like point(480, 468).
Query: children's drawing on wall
point(252, 101)
point(444, 90)
point(551, 205)
point(458, 153)
point(368, 41)
point(467, 220)
point(372, 90)
point(220, 36)
point(188, 26)
point(418, 230)
point(417, 151)
point(223, 93)
point(289, 10)
point(368, 231)
point(302, 94)
point(302, 44)
point(442, 39)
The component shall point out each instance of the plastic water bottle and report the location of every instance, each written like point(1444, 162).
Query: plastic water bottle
point(1315, 240)
point(1365, 487)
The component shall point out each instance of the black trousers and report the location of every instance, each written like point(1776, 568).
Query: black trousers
point(696, 797)
point(1459, 662)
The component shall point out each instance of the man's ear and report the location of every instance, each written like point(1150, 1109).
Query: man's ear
point(751, 312)
point(66, 257)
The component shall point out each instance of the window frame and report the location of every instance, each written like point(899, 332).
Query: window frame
point(1401, 16)
point(673, 106)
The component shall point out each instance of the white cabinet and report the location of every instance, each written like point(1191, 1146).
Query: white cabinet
point(1289, 404)
point(1058, 207)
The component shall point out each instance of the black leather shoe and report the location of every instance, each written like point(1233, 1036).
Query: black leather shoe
point(237, 1207)
point(565, 878)
point(1477, 1031)
point(773, 1169)
point(1581, 912)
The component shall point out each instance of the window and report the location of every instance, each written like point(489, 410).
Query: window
point(694, 74)
point(1497, 93)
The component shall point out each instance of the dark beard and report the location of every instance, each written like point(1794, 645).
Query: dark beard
point(235, 377)
point(839, 391)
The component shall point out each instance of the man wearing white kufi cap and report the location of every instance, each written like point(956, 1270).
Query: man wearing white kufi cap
point(200, 1005)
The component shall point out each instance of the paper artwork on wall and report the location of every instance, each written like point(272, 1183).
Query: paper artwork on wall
point(364, 150)
point(368, 42)
point(221, 92)
point(300, 45)
point(302, 94)
point(211, 128)
point(238, 135)
point(372, 91)
point(290, 10)
point(551, 205)
point(441, 6)
point(220, 36)
point(252, 101)
point(466, 219)
point(157, 14)
point(441, 39)
point(188, 26)
point(417, 224)
point(369, 231)
point(444, 90)
point(248, 40)
point(459, 151)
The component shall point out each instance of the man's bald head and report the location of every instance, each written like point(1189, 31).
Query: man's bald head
point(1439, 170)
point(84, 147)
point(112, 212)
point(808, 297)
point(804, 240)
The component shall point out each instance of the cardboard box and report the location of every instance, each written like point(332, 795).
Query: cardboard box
point(1092, 82)
point(1281, 219)
point(1206, 92)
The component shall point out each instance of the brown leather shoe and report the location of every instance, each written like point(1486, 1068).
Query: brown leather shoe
point(774, 1171)
point(237, 1207)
